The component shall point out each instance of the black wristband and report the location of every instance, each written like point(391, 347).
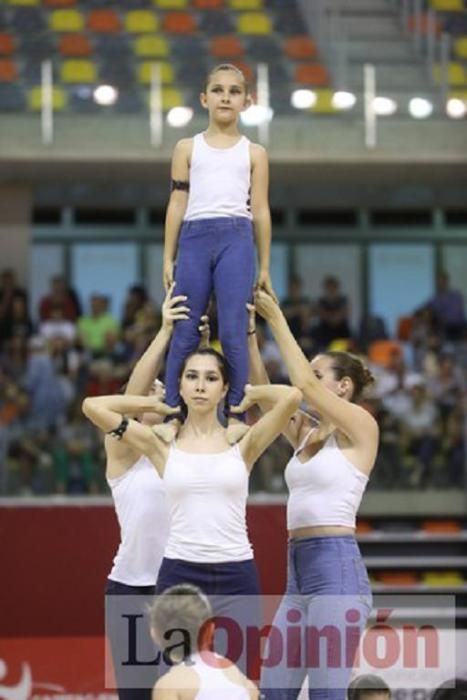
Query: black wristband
point(119, 431)
point(182, 185)
point(251, 332)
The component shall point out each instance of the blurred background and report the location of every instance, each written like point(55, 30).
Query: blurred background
point(361, 105)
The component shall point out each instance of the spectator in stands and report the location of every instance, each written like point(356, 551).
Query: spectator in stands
point(61, 297)
point(455, 689)
point(333, 312)
point(18, 321)
point(9, 291)
point(47, 399)
point(369, 687)
point(136, 299)
point(447, 309)
point(99, 330)
point(57, 325)
point(14, 357)
point(447, 385)
point(296, 307)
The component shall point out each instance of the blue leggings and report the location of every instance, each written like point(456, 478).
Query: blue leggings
point(214, 255)
point(319, 621)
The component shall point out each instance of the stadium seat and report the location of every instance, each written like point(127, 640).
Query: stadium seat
point(12, 98)
point(441, 527)
point(150, 46)
point(179, 23)
point(254, 23)
point(364, 526)
point(245, 5)
point(311, 74)
point(171, 97)
point(103, 21)
point(424, 24)
point(447, 5)
point(443, 578)
point(207, 4)
point(59, 3)
point(299, 47)
point(456, 73)
point(74, 45)
point(7, 44)
point(460, 47)
point(226, 46)
point(23, 2)
point(323, 104)
point(35, 99)
point(381, 352)
point(398, 578)
point(66, 21)
point(78, 71)
point(141, 22)
point(145, 70)
point(171, 4)
point(246, 69)
point(8, 71)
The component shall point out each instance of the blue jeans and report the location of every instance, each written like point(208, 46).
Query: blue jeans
point(326, 605)
point(214, 255)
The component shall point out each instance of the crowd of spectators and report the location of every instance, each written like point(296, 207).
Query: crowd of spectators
point(53, 356)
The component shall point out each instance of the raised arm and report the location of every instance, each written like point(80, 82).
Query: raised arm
point(284, 400)
point(177, 205)
point(356, 423)
point(108, 413)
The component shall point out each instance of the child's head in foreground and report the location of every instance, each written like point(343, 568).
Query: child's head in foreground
point(368, 687)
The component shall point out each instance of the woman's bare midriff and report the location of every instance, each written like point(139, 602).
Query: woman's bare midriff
point(301, 533)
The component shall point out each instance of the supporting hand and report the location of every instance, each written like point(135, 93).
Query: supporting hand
point(264, 282)
point(171, 312)
point(265, 305)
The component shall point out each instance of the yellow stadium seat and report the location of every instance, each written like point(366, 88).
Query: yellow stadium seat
point(456, 73)
point(171, 4)
point(145, 70)
point(78, 71)
point(443, 578)
point(151, 46)
point(246, 4)
point(66, 21)
point(141, 22)
point(323, 104)
point(447, 5)
point(253, 23)
point(458, 95)
point(460, 47)
point(35, 98)
point(23, 2)
point(171, 97)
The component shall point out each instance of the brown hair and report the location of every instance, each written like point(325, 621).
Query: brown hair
point(226, 66)
point(365, 686)
point(345, 364)
point(221, 363)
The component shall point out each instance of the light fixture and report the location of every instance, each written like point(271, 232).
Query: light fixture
point(303, 99)
point(256, 115)
point(384, 106)
point(456, 108)
point(343, 100)
point(105, 95)
point(179, 116)
point(420, 108)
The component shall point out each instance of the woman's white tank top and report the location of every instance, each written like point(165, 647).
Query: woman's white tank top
point(207, 496)
point(325, 490)
point(219, 180)
point(214, 682)
point(143, 516)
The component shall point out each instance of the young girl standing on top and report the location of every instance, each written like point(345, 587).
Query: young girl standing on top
point(218, 206)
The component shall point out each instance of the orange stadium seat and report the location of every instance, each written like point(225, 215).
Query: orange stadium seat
point(398, 578)
point(228, 46)
point(179, 23)
point(66, 21)
point(441, 526)
point(299, 47)
point(8, 71)
point(424, 23)
point(74, 45)
point(103, 21)
point(7, 44)
point(246, 69)
point(381, 351)
point(148, 46)
point(311, 74)
point(141, 22)
point(207, 4)
point(364, 526)
point(254, 23)
point(404, 327)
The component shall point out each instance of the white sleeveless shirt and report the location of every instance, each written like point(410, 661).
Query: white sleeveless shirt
point(207, 496)
point(214, 682)
point(143, 516)
point(325, 490)
point(219, 180)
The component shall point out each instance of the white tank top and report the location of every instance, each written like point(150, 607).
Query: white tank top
point(143, 516)
point(214, 682)
point(324, 490)
point(219, 180)
point(207, 496)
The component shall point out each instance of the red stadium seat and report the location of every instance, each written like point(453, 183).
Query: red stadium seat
point(246, 69)
point(299, 48)
point(311, 74)
point(208, 4)
point(398, 578)
point(441, 526)
point(7, 44)
point(103, 21)
point(228, 46)
point(404, 327)
point(8, 71)
point(179, 23)
point(74, 45)
point(59, 3)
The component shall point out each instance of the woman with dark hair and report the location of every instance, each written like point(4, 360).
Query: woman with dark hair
point(334, 452)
